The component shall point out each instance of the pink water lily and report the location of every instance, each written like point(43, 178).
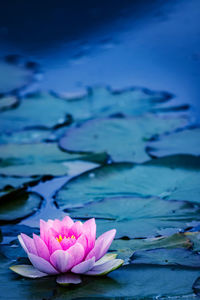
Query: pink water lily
point(67, 248)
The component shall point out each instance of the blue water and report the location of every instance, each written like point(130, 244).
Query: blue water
point(153, 44)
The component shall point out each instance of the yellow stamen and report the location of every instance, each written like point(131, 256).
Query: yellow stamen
point(60, 238)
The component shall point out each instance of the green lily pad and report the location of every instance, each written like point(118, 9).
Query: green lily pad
point(167, 257)
point(41, 159)
point(172, 178)
point(18, 205)
point(137, 282)
point(194, 237)
point(8, 184)
point(132, 281)
point(29, 136)
point(8, 102)
point(182, 142)
point(103, 102)
point(14, 75)
point(27, 115)
point(125, 248)
point(138, 217)
point(123, 139)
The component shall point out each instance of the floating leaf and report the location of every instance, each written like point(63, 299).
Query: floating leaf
point(137, 282)
point(138, 217)
point(29, 136)
point(122, 139)
point(18, 205)
point(8, 184)
point(7, 102)
point(14, 74)
point(173, 178)
point(43, 159)
point(27, 115)
point(103, 102)
point(194, 237)
point(182, 142)
point(125, 248)
point(167, 257)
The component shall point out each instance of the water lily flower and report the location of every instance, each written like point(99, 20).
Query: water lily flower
point(67, 249)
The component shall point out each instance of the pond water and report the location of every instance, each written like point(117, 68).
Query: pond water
point(99, 117)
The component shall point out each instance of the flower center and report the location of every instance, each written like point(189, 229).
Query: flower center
point(60, 238)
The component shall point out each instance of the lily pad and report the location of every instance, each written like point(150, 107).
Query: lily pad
point(195, 239)
point(167, 257)
point(8, 102)
point(137, 282)
point(41, 159)
point(14, 74)
point(125, 248)
point(172, 178)
point(130, 281)
point(123, 139)
point(26, 115)
point(8, 184)
point(29, 136)
point(182, 142)
point(103, 102)
point(138, 217)
point(18, 205)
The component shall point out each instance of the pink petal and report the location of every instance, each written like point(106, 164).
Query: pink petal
point(67, 243)
point(61, 260)
point(44, 231)
point(67, 222)
point(50, 222)
point(57, 225)
point(69, 278)
point(89, 229)
point(41, 264)
point(83, 241)
point(76, 229)
point(84, 266)
point(77, 252)
point(102, 244)
point(54, 245)
point(27, 243)
point(41, 247)
point(105, 268)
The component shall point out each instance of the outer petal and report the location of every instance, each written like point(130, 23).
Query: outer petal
point(105, 258)
point(27, 243)
point(41, 247)
point(84, 266)
point(77, 252)
point(105, 268)
point(44, 231)
point(67, 279)
point(61, 260)
point(27, 271)
point(42, 265)
point(102, 244)
point(89, 229)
